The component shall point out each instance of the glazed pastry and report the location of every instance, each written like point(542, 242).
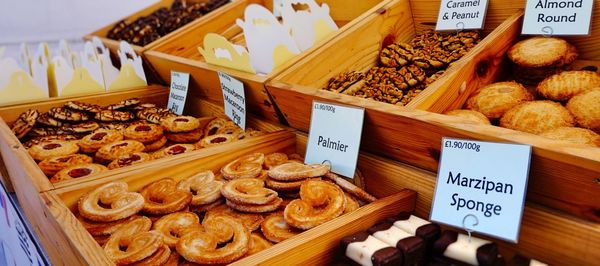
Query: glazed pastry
point(127, 103)
point(180, 123)
point(257, 244)
point(203, 186)
point(229, 128)
point(77, 171)
point(275, 159)
point(213, 126)
point(112, 115)
point(275, 229)
point(452, 247)
point(171, 226)
point(163, 197)
point(216, 139)
point(144, 133)
point(248, 166)
point(586, 109)
point(320, 202)
point(412, 247)
point(470, 115)
point(53, 165)
point(173, 150)
point(129, 159)
point(24, 123)
point(367, 250)
point(185, 137)
point(83, 107)
point(495, 99)
point(574, 135)
point(292, 171)
point(537, 116)
point(563, 86)
point(247, 191)
point(47, 120)
point(65, 114)
point(113, 151)
point(251, 221)
point(120, 203)
point(39, 140)
point(93, 142)
point(155, 146)
point(53, 148)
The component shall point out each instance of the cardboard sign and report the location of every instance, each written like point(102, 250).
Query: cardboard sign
point(481, 186)
point(461, 15)
point(557, 17)
point(334, 136)
point(178, 93)
point(234, 99)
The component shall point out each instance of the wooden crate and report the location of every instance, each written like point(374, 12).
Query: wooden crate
point(179, 52)
point(562, 176)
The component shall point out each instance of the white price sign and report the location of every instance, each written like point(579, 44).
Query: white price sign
point(178, 91)
point(335, 133)
point(557, 17)
point(234, 99)
point(481, 187)
point(461, 14)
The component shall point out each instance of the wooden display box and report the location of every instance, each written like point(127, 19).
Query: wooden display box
point(546, 235)
point(179, 52)
point(562, 176)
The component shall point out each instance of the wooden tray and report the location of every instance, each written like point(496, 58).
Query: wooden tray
point(179, 52)
point(562, 176)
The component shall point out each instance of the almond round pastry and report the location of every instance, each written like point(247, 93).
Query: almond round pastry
point(173, 150)
point(275, 159)
point(185, 137)
point(248, 166)
point(257, 244)
point(293, 171)
point(91, 143)
point(129, 159)
point(537, 116)
point(320, 202)
point(68, 114)
point(586, 109)
point(251, 221)
point(276, 229)
point(203, 186)
point(574, 135)
point(53, 165)
point(216, 139)
point(53, 148)
point(77, 171)
point(144, 133)
point(25, 123)
point(180, 123)
point(470, 115)
point(171, 226)
point(495, 99)
point(163, 197)
point(248, 191)
point(213, 126)
point(541, 52)
point(155, 146)
point(110, 202)
point(113, 151)
point(563, 86)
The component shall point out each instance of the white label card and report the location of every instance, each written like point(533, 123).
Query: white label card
point(334, 136)
point(557, 17)
point(178, 93)
point(277, 7)
point(482, 185)
point(461, 15)
point(234, 99)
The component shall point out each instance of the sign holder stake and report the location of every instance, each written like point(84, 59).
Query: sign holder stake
point(469, 231)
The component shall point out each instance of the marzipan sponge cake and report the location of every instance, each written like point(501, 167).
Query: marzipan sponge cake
point(537, 116)
point(563, 86)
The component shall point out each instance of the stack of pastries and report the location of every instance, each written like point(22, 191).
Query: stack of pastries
point(80, 139)
point(564, 105)
point(256, 201)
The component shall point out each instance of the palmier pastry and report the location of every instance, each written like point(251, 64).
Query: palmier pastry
point(495, 99)
point(256, 208)
point(39, 140)
point(292, 171)
point(563, 86)
point(94, 141)
point(84, 107)
point(52, 165)
point(350, 188)
point(125, 248)
point(470, 115)
point(203, 186)
point(248, 191)
point(144, 133)
point(351, 203)
point(110, 202)
point(47, 120)
point(251, 221)
point(248, 166)
point(275, 159)
point(163, 197)
point(159, 257)
point(171, 226)
point(586, 109)
point(213, 126)
point(276, 229)
point(203, 246)
point(53, 148)
point(257, 244)
point(154, 146)
point(574, 135)
point(25, 123)
point(112, 115)
point(320, 202)
point(68, 114)
point(173, 150)
point(185, 137)
point(113, 151)
point(180, 123)
point(77, 171)
point(127, 103)
point(129, 159)
point(216, 139)
point(537, 116)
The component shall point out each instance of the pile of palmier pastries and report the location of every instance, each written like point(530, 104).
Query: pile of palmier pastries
point(256, 200)
point(563, 105)
point(80, 139)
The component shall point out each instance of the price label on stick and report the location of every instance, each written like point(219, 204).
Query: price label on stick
point(557, 17)
point(485, 182)
point(178, 93)
point(234, 99)
point(461, 15)
point(334, 137)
